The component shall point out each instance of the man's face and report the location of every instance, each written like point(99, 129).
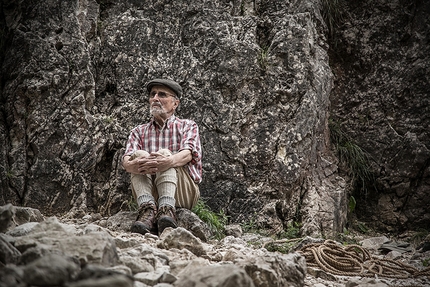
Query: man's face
point(162, 101)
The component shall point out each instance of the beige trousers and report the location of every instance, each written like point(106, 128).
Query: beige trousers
point(173, 183)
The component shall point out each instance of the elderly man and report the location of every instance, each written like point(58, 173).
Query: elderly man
point(164, 159)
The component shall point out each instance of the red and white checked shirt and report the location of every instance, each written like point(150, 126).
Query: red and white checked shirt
point(176, 135)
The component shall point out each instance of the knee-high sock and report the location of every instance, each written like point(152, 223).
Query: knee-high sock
point(166, 186)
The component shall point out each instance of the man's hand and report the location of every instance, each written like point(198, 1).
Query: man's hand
point(141, 165)
point(156, 162)
point(163, 162)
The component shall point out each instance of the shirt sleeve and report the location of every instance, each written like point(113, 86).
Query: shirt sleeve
point(133, 142)
point(191, 141)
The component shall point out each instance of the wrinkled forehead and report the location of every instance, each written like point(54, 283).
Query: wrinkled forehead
point(161, 88)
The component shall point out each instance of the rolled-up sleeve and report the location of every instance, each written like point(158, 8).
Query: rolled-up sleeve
point(133, 142)
point(191, 141)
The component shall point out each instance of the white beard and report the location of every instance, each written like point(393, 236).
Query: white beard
point(157, 110)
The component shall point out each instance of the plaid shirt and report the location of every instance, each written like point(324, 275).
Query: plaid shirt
point(176, 135)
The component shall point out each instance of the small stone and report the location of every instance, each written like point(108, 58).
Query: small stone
point(374, 243)
point(233, 230)
point(393, 255)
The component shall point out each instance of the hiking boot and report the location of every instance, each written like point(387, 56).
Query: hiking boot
point(145, 221)
point(166, 217)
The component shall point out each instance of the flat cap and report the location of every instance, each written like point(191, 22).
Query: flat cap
point(175, 87)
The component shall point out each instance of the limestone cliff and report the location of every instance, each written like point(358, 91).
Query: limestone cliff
point(381, 99)
point(256, 78)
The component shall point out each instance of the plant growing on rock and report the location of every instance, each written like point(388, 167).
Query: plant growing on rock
point(132, 204)
point(333, 13)
point(263, 58)
point(8, 172)
point(287, 239)
point(215, 221)
point(352, 157)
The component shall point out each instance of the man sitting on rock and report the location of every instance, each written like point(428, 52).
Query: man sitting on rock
point(164, 159)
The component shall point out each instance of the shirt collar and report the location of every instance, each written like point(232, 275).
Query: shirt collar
point(166, 123)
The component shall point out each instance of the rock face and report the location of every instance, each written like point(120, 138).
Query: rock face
point(256, 78)
point(381, 100)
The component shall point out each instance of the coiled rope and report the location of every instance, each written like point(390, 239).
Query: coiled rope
point(354, 260)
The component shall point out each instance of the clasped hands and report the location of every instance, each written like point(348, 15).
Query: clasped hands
point(151, 164)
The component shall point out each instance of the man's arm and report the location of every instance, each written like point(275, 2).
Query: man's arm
point(176, 160)
point(140, 165)
point(156, 162)
point(131, 166)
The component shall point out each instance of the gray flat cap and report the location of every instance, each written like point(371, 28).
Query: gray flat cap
point(175, 87)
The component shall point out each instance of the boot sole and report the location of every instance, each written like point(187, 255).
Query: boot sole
point(163, 223)
point(140, 228)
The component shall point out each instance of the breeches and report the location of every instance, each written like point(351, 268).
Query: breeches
point(186, 193)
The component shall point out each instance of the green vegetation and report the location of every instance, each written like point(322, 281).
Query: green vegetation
point(250, 226)
point(362, 227)
point(215, 221)
point(8, 173)
point(419, 236)
point(286, 239)
point(346, 237)
point(282, 246)
point(109, 119)
point(292, 231)
point(263, 58)
point(132, 204)
point(353, 158)
point(333, 14)
point(242, 8)
point(351, 204)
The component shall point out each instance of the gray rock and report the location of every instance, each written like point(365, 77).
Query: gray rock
point(393, 255)
point(95, 271)
point(8, 252)
point(288, 269)
point(117, 280)
point(374, 243)
point(23, 229)
point(143, 258)
point(121, 221)
point(216, 276)
point(191, 222)
point(233, 230)
point(379, 100)
point(6, 214)
point(50, 270)
point(69, 254)
point(181, 254)
point(161, 275)
point(32, 253)
point(73, 90)
point(365, 282)
point(12, 216)
point(181, 238)
point(94, 247)
point(12, 276)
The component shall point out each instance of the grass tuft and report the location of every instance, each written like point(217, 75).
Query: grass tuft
point(215, 221)
point(352, 157)
point(333, 14)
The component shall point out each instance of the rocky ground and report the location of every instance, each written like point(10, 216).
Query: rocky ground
point(94, 251)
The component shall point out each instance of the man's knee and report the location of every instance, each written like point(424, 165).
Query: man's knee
point(165, 152)
point(139, 153)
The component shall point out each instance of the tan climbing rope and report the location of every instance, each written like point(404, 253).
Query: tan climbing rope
point(354, 260)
